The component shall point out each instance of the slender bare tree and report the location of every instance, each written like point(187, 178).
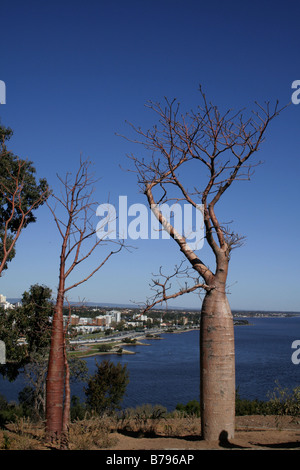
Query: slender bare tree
point(79, 242)
point(194, 159)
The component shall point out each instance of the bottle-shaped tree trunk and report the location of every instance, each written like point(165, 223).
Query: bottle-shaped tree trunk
point(217, 366)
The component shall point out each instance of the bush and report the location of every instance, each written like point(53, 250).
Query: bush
point(106, 387)
point(250, 407)
point(78, 409)
point(129, 340)
point(143, 419)
point(281, 402)
point(9, 412)
point(284, 402)
point(104, 347)
point(191, 408)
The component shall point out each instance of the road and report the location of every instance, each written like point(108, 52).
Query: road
point(118, 337)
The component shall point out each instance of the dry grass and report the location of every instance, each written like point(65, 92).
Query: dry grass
point(91, 434)
point(22, 435)
point(141, 432)
point(94, 432)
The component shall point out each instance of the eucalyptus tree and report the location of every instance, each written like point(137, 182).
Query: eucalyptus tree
point(20, 196)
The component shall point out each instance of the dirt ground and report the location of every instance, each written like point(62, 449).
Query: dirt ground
point(252, 432)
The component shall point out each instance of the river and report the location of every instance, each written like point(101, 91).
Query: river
point(167, 371)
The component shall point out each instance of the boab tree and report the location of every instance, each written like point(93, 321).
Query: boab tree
point(73, 214)
point(20, 196)
point(194, 159)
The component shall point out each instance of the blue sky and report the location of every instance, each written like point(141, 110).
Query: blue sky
point(76, 71)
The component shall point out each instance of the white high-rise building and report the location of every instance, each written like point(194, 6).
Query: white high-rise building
point(115, 315)
point(3, 303)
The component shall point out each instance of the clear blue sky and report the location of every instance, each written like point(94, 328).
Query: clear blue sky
point(75, 71)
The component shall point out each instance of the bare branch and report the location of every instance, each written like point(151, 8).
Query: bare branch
point(161, 285)
point(222, 143)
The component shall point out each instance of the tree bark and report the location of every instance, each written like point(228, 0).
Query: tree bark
point(222, 144)
point(217, 366)
point(67, 406)
point(56, 375)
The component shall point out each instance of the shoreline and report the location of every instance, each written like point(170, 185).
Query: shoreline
point(119, 345)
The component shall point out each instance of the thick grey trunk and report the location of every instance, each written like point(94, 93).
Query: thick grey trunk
point(217, 365)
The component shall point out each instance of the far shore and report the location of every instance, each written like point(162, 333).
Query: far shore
point(91, 349)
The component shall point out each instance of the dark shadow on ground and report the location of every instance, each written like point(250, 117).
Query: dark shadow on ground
point(223, 439)
point(280, 445)
point(226, 444)
point(153, 435)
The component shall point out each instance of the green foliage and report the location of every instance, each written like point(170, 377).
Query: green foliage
point(78, 370)
point(283, 401)
point(106, 387)
point(30, 322)
point(250, 407)
point(143, 419)
point(20, 194)
point(78, 410)
point(191, 408)
point(27, 401)
point(129, 340)
point(9, 412)
point(105, 347)
point(146, 411)
point(8, 242)
point(10, 334)
point(33, 317)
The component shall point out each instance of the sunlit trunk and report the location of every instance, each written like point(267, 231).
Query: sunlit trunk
point(55, 376)
point(217, 365)
point(67, 405)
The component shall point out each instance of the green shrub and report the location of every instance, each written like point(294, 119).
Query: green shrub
point(143, 419)
point(191, 408)
point(250, 407)
point(106, 388)
point(105, 347)
point(78, 410)
point(9, 412)
point(283, 401)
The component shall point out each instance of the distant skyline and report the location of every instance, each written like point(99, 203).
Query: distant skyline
point(76, 71)
point(170, 307)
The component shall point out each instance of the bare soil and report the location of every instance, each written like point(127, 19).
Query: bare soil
point(252, 433)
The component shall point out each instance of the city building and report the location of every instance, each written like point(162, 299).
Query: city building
point(4, 304)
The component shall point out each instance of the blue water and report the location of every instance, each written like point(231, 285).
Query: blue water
point(263, 356)
point(167, 371)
